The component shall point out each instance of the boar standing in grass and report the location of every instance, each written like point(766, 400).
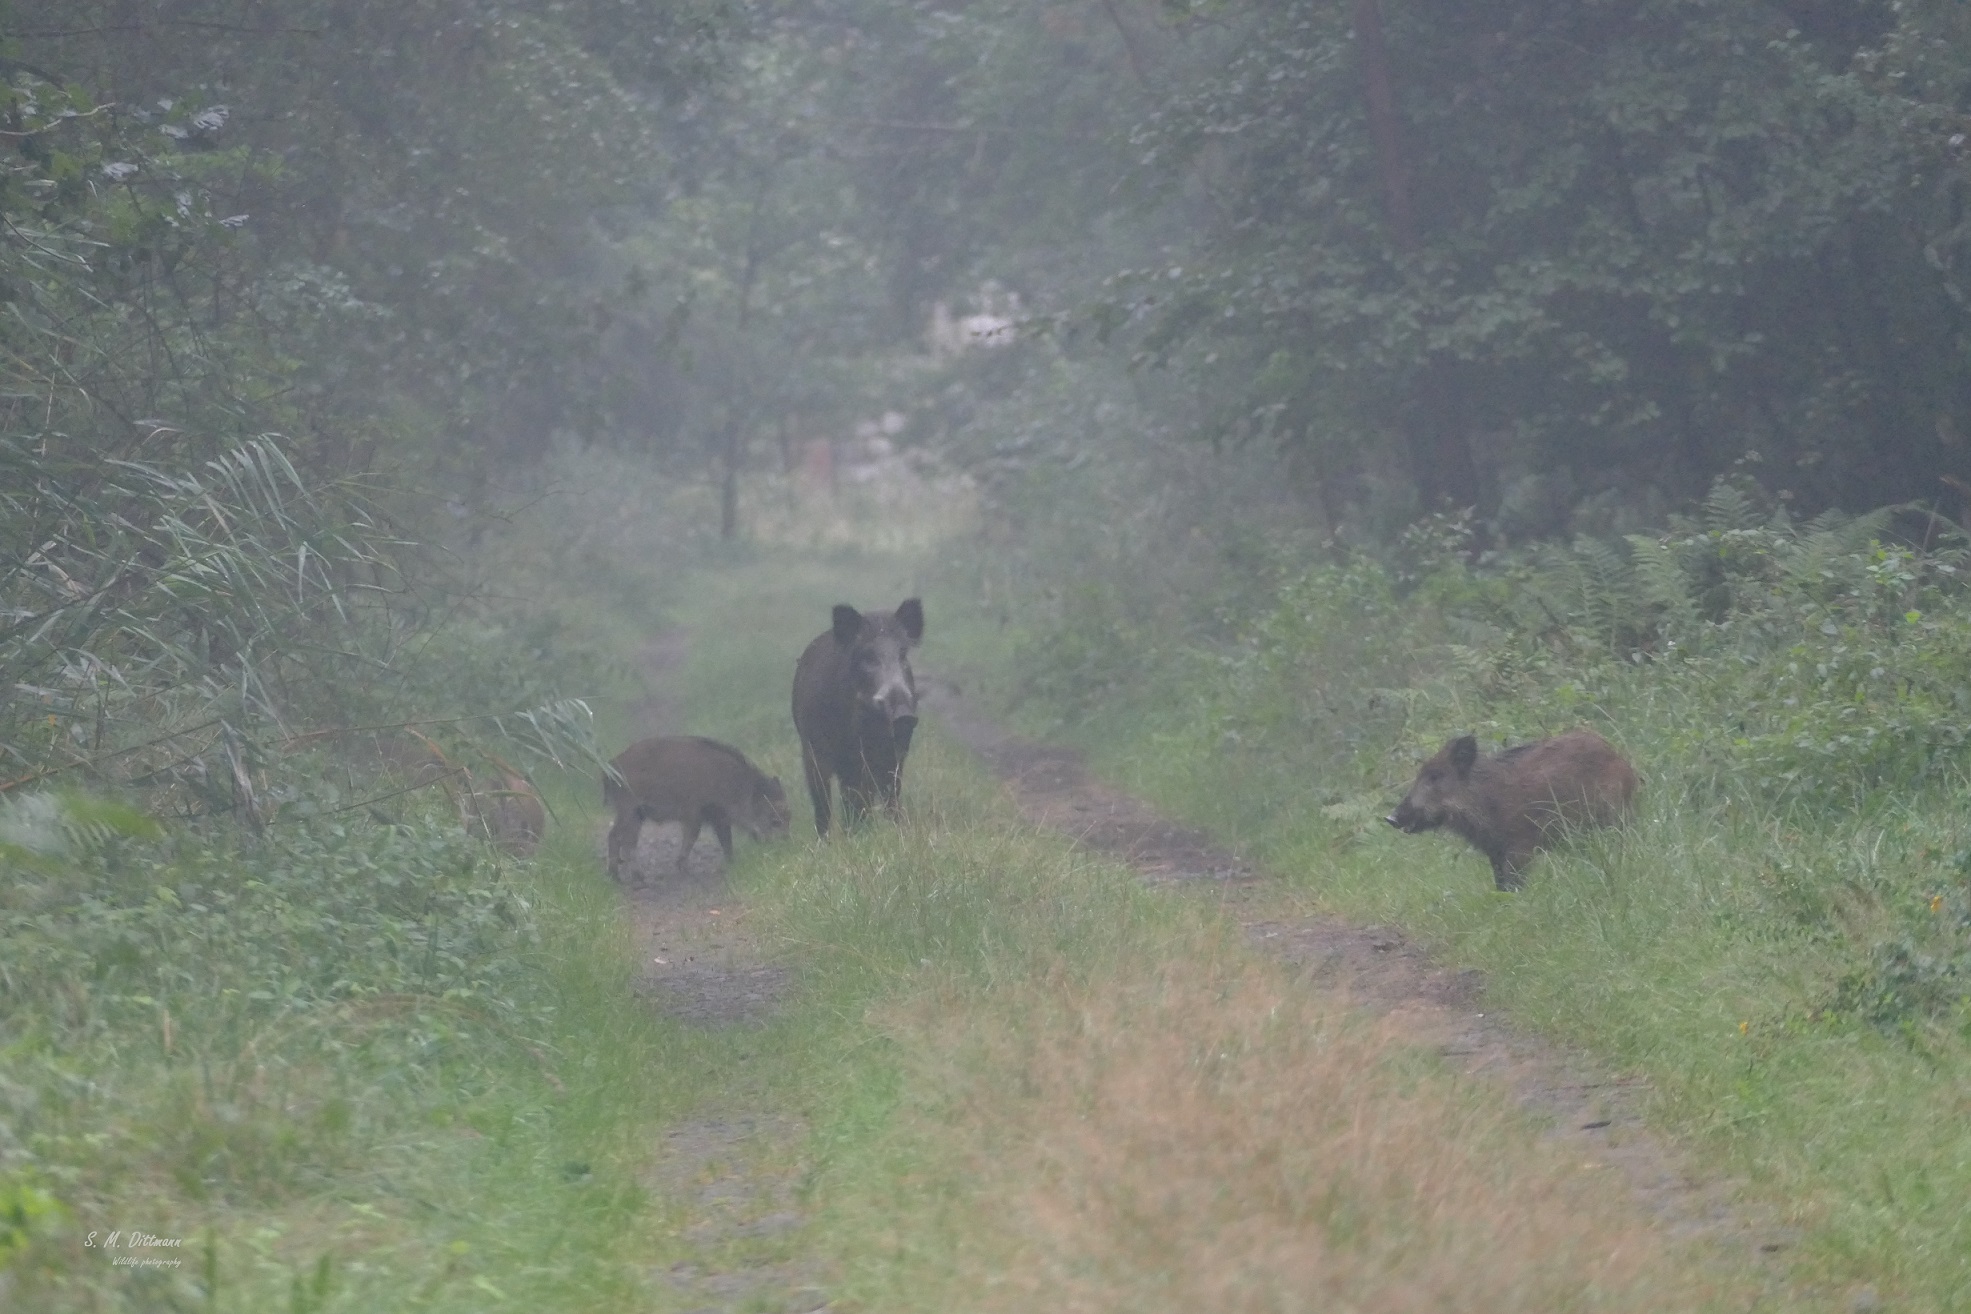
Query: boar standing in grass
point(1517, 801)
point(694, 782)
point(855, 708)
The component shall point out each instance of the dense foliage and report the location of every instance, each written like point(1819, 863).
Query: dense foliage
point(264, 277)
point(1809, 677)
point(411, 185)
point(1583, 257)
point(1564, 264)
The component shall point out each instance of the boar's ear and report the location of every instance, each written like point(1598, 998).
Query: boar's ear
point(848, 624)
point(1464, 752)
point(910, 614)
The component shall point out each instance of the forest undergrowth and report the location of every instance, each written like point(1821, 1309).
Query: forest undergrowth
point(367, 1062)
point(356, 1065)
point(1780, 942)
point(263, 997)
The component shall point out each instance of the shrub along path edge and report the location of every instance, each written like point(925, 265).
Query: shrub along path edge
point(1594, 1113)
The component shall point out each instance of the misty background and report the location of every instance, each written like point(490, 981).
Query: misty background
point(395, 393)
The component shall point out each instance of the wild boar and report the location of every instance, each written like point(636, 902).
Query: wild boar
point(855, 708)
point(694, 782)
point(494, 801)
point(507, 810)
point(1517, 801)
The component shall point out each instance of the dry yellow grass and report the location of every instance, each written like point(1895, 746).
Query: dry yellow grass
point(1205, 1135)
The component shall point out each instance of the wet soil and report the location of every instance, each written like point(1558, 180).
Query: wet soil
point(727, 1179)
point(1594, 1113)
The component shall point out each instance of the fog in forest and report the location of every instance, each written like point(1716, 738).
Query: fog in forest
point(410, 403)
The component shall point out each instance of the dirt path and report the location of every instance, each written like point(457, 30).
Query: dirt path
point(732, 1178)
point(1596, 1114)
point(698, 959)
point(729, 1178)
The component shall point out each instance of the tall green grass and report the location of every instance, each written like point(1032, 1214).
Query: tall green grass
point(1777, 943)
point(376, 1070)
point(958, 978)
point(377, 1090)
point(1033, 1082)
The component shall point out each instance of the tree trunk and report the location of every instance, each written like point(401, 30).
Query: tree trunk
point(732, 451)
point(1385, 127)
point(1439, 445)
point(1438, 448)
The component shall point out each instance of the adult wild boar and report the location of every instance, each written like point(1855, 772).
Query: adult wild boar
point(855, 708)
point(1517, 801)
point(694, 782)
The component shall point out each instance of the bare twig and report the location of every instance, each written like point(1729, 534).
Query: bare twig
point(73, 118)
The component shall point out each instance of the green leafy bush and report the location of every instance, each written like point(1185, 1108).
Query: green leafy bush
point(1086, 655)
point(308, 916)
point(209, 1006)
point(1923, 970)
point(1816, 671)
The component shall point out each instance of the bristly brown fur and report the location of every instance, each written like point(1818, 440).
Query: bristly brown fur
point(1518, 801)
point(695, 782)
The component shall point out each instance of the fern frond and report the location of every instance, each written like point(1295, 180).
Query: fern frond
point(1664, 585)
point(1727, 507)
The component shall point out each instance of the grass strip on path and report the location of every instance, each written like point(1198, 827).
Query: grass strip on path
point(1033, 1083)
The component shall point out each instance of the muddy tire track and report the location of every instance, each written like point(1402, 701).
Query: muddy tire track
point(1595, 1114)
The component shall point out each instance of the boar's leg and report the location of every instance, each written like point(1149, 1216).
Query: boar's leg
point(688, 836)
point(623, 837)
point(1505, 871)
point(721, 827)
point(861, 793)
point(905, 728)
point(817, 789)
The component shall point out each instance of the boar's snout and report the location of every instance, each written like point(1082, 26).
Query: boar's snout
point(778, 814)
point(897, 703)
point(1412, 818)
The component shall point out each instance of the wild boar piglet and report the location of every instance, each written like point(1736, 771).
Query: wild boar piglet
point(695, 782)
point(1513, 803)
